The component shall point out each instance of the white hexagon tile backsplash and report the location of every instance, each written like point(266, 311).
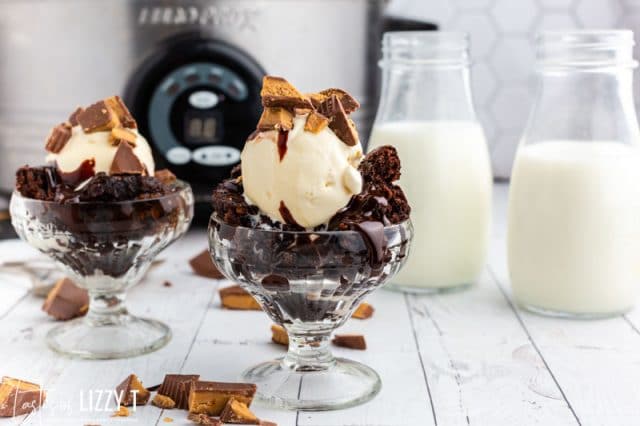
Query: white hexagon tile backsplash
point(502, 34)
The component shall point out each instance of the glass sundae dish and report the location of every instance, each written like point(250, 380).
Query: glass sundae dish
point(102, 213)
point(309, 226)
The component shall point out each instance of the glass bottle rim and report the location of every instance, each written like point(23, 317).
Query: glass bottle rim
point(428, 48)
point(585, 49)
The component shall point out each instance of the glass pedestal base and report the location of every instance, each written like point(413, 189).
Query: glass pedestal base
point(344, 384)
point(119, 336)
point(427, 290)
point(572, 315)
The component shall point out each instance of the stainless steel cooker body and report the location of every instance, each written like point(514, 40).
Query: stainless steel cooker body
point(58, 54)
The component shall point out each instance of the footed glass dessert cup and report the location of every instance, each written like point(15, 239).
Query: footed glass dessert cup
point(310, 283)
point(105, 247)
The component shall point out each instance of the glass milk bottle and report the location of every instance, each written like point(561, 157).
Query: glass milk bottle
point(574, 202)
point(426, 112)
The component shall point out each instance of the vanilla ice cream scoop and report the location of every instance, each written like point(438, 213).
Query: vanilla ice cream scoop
point(83, 146)
point(298, 176)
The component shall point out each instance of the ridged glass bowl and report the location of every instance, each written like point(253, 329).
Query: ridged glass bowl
point(105, 247)
point(310, 283)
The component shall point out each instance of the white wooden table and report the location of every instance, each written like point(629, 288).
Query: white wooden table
point(467, 358)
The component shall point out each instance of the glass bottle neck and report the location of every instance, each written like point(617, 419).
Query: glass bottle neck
point(585, 88)
point(586, 105)
point(425, 93)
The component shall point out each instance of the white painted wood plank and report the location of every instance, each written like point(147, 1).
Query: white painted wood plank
point(594, 363)
point(13, 287)
point(391, 351)
point(182, 306)
point(230, 342)
point(479, 359)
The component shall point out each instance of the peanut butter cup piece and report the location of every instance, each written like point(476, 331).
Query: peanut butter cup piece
point(275, 118)
point(163, 402)
point(237, 412)
point(125, 161)
point(279, 335)
point(132, 392)
point(122, 411)
point(278, 92)
point(122, 112)
point(97, 118)
point(177, 387)
point(203, 419)
point(73, 118)
point(165, 176)
point(363, 311)
point(349, 103)
point(351, 341)
point(66, 301)
point(120, 134)
point(235, 297)
point(18, 397)
point(211, 397)
point(339, 122)
point(316, 122)
point(58, 138)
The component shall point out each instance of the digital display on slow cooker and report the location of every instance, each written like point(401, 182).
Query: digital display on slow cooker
point(202, 127)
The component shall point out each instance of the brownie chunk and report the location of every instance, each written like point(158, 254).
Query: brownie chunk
point(37, 182)
point(121, 188)
point(229, 203)
point(381, 165)
point(380, 200)
point(44, 183)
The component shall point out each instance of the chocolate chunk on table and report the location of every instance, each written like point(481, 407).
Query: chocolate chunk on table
point(203, 265)
point(351, 341)
point(66, 301)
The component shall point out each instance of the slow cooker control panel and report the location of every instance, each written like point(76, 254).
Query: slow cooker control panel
point(197, 100)
point(187, 118)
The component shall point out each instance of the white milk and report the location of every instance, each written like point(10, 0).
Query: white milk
point(574, 226)
point(446, 175)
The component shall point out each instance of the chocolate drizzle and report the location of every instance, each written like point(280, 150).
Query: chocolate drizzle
point(373, 234)
point(286, 215)
point(283, 136)
point(82, 173)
